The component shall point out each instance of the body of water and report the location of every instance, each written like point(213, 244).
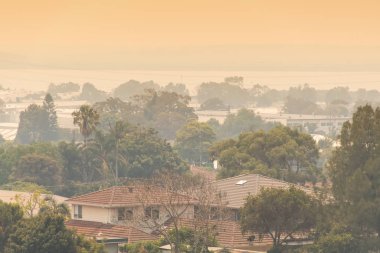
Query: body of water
point(39, 79)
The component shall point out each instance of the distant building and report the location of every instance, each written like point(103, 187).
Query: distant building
point(11, 197)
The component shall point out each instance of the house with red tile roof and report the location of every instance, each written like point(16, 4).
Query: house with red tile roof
point(110, 214)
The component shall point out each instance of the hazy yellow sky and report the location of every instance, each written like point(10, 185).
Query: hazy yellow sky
point(191, 34)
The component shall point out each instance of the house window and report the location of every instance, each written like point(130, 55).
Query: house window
point(124, 214)
point(237, 215)
point(196, 212)
point(214, 213)
point(78, 211)
point(152, 213)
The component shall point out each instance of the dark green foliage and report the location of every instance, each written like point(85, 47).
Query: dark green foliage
point(164, 111)
point(243, 120)
point(281, 153)
point(353, 169)
point(39, 169)
point(86, 118)
point(34, 125)
point(336, 243)
point(147, 153)
point(48, 105)
point(130, 150)
point(278, 213)
point(2, 140)
point(45, 234)
point(10, 154)
point(10, 214)
point(38, 123)
point(113, 110)
point(188, 241)
point(193, 140)
point(71, 160)
point(141, 247)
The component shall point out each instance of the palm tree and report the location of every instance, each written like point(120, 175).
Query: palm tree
point(86, 118)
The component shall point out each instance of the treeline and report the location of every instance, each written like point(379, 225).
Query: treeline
point(234, 93)
point(129, 139)
point(124, 91)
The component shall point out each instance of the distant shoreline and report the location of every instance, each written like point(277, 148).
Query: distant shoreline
point(39, 79)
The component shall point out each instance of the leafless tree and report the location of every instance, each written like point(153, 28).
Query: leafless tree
point(170, 201)
point(165, 199)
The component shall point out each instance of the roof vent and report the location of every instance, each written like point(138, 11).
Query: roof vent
point(241, 182)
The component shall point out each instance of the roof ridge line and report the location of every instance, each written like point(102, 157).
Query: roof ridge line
point(89, 193)
point(228, 178)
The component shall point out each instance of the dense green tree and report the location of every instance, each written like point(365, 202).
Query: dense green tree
point(147, 154)
point(141, 247)
point(48, 105)
point(353, 170)
point(188, 240)
point(281, 153)
point(71, 158)
point(113, 110)
point(86, 118)
point(193, 140)
point(10, 214)
point(45, 234)
point(11, 153)
point(243, 120)
point(164, 111)
point(336, 243)
point(278, 213)
point(34, 125)
point(39, 169)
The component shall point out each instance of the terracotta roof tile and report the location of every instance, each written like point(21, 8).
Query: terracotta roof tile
point(249, 184)
point(101, 230)
point(122, 196)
